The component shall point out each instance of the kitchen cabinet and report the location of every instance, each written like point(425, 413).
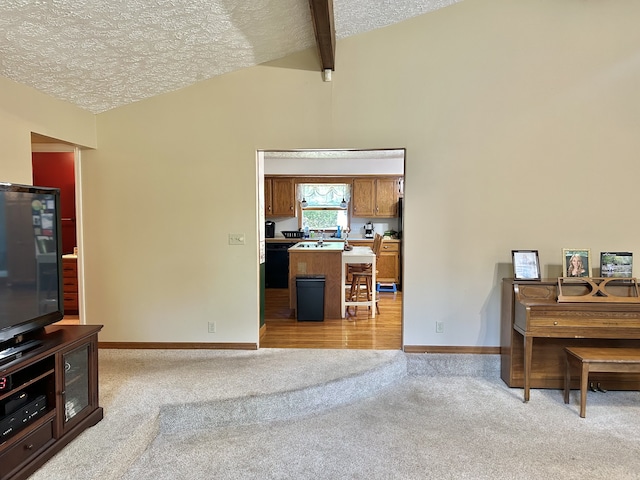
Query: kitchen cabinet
point(70, 284)
point(375, 197)
point(279, 197)
point(388, 262)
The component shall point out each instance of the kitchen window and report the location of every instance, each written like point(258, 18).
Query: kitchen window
point(324, 206)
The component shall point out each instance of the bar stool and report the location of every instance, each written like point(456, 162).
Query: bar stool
point(361, 277)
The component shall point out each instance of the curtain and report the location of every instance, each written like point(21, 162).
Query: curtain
point(324, 194)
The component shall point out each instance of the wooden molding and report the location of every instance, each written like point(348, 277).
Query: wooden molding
point(324, 28)
point(263, 330)
point(450, 349)
point(253, 346)
point(178, 346)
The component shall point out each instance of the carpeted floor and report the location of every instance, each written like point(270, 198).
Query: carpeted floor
point(340, 414)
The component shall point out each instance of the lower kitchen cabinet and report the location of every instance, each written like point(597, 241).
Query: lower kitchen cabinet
point(70, 284)
point(389, 263)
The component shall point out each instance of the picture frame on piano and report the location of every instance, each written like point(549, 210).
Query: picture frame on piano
point(576, 262)
point(616, 264)
point(526, 264)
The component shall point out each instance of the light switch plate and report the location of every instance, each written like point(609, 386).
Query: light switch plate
point(236, 239)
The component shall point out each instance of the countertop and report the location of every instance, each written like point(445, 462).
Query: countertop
point(281, 239)
point(315, 247)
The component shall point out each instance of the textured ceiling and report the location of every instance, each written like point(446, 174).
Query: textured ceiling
point(101, 54)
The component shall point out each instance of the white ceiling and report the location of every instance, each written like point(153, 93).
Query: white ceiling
point(101, 54)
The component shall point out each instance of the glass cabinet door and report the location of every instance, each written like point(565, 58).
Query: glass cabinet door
point(76, 381)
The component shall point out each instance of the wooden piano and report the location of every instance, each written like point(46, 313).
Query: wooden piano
point(535, 328)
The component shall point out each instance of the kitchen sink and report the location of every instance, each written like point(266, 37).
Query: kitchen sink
point(316, 246)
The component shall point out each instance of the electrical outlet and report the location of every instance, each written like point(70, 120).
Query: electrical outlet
point(439, 327)
point(236, 239)
point(212, 327)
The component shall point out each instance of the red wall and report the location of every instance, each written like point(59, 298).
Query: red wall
point(56, 169)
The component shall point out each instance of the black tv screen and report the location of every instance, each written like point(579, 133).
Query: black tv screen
point(30, 259)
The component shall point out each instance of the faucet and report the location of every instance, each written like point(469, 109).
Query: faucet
point(321, 239)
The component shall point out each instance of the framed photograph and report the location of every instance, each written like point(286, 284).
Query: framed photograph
point(616, 264)
point(576, 262)
point(526, 264)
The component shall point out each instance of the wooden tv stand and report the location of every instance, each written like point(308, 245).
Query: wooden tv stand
point(60, 378)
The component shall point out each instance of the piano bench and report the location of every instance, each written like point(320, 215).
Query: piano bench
point(601, 360)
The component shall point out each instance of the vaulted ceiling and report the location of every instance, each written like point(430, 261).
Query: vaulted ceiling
point(101, 54)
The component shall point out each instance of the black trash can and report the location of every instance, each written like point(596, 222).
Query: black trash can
point(310, 298)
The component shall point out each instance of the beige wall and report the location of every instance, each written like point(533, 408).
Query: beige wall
point(23, 110)
point(519, 120)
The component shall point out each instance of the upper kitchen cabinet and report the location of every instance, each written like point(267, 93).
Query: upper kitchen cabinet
point(279, 197)
point(375, 197)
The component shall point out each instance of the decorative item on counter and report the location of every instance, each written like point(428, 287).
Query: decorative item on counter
point(338, 232)
point(347, 247)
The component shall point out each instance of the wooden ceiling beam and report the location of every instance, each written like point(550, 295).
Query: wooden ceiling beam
point(324, 28)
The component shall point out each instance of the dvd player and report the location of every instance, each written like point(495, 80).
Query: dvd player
point(22, 417)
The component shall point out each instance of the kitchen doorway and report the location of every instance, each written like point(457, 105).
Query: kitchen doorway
point(278, 328)
point(55, 164)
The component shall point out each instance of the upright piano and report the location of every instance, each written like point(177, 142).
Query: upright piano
point(535, 328)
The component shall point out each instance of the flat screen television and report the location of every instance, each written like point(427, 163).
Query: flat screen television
point(30, 261)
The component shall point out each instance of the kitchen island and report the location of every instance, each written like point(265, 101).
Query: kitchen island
point(315, 258)
point(388, 263)
point(328, 259)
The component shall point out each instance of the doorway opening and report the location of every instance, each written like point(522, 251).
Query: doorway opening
point(358, 330)
point(54, 164)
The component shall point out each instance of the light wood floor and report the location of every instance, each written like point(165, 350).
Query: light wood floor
point(358, 331)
